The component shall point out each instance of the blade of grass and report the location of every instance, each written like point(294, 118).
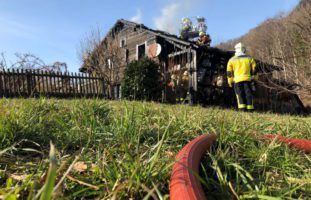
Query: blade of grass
point(51, 177)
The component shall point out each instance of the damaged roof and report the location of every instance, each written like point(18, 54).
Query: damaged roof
point(160, 33)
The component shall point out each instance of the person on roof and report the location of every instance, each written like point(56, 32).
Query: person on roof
point(186, 28)
point(204, 39)
point(186, 24)
point(241, 72)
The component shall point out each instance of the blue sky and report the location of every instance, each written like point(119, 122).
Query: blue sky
point(52, 30)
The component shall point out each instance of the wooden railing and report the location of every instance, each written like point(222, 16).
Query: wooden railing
point(35, 83)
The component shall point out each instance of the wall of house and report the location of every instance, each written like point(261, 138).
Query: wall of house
point(135, 36)
point(125, 41)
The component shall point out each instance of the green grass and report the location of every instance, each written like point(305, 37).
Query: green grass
point(129, 149)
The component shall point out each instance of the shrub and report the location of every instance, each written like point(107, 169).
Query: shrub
point(142, 81)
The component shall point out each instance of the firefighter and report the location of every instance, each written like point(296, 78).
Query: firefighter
point(241, 73)
point(173, 82)
point(184, 86)
point(186, 28)
point(181, 86)
point(204, 39)
point(178, 88)
point(173, 87)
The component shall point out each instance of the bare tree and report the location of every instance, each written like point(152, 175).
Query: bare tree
point(103, 57)
point(28, 62)
point(31, 62)
point(3, 63)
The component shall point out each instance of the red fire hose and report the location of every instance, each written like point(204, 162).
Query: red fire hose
point(300, 144)
point(184, 184)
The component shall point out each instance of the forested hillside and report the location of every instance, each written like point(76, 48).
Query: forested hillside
point(284, 41)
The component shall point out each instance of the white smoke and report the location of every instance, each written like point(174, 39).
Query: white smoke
point(169, 19)
point(171, 14)
point(138, 18)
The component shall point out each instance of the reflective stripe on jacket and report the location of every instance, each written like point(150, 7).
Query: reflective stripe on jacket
point(241, 68)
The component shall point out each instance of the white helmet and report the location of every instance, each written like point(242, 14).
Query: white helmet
point(239, 48)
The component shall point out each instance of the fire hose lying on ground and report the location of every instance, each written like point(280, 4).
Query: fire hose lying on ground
point(185, 184)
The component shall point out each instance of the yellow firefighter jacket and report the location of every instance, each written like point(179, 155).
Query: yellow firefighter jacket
point(241, 68)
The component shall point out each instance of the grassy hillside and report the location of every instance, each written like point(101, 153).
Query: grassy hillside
point(125, 150)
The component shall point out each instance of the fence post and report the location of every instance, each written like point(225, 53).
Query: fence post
point(5, 80)
point(34, 83)
point(13, 85)
point(38, 82)
point(9, 83)
point(84, 83)
point(67, 83)
point(81, 82)
point(18, 93)
point(23, 93)
point(1, 83)
point(29, 83)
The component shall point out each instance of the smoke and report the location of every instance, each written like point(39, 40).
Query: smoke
point(138, 17)
point(171, 14)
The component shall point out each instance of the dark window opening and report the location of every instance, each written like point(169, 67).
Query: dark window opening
point(126, 55)
point(141, 51)
point(117, 91)
point(122, 43)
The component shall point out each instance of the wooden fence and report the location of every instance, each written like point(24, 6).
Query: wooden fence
point(35, 83)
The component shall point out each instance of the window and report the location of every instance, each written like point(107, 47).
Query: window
point(126, 55)
point(120, 92)
point(140, 51)
point(110, 64)
point(117, 92)
point(122, 43)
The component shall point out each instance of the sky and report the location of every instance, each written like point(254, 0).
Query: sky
point(53, 29)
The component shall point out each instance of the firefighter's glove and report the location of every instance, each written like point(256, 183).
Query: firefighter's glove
point(253, 86)
point(255, 77)
point(230, 85)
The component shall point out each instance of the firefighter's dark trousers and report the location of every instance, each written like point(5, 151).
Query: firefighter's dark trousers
point(244, 95)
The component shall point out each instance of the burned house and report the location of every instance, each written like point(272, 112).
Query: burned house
point(206, 67)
